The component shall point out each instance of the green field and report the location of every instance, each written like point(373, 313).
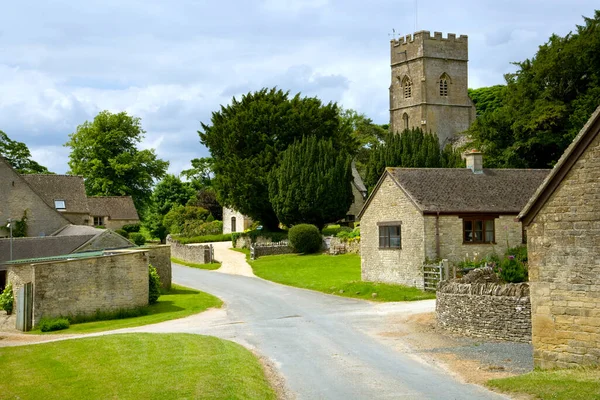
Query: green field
point(133, 366)
point(339, 275)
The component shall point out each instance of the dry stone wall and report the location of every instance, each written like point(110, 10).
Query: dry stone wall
point(490, 310)
point(160, 258)
point(197, 253)
point(270, 249)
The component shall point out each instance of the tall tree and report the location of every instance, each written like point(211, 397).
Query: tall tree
point(105, 152)
point(200, 175)
point(410, 149)
point(19, 157)
point(247, 137)
point(312, 184)
point(545, 102)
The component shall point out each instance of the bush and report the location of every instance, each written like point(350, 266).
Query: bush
point(123, 233)
point(256, 233)
point(153, 285)
point(512, 270)
point(130, 228)
point(202, 239)
point(348, 234)
point(6, 299)
point(137, 238)
point(519, 252)
point(54, 324)
point(200, 228)
point(99, 315)
point(305, 238)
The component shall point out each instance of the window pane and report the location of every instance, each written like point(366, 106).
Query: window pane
point(478, 236)
point(468, 225)
point(395, 242)
point(478, 225)
point(489, 231)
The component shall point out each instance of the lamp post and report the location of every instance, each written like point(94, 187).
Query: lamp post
point(10, 227)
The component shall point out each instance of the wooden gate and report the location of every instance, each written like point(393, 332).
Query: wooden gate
point(434, 274)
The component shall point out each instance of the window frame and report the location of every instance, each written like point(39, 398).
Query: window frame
point(64, 203)
point(385, 227)
point(99, 219)
point(406, 87)
point(484, 219)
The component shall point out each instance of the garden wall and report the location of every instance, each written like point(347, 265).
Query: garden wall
point(491, 310)
point(195, 253)
point(339, 246)
point(270, 249)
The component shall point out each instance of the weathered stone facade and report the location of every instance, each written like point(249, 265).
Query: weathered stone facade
point(403, 266)
point(422, 61)
point(489, 310)
point(563, 235)
point(194, 253)
point(83, 286)
point(234, 221)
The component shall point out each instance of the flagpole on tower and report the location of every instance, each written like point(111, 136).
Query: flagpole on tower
point(416, 13)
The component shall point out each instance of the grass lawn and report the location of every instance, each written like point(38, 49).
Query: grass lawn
point(179, 302)
point(564, 384)
point(339, 275)
point(211, 266)
point(133, 366)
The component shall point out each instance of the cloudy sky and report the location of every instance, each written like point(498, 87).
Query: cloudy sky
point(174, 62)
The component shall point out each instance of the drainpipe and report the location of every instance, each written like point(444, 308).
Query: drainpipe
point(437, 235)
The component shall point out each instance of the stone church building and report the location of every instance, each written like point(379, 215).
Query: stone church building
point(429, 84)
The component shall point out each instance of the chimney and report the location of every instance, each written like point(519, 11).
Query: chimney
point(475, 161)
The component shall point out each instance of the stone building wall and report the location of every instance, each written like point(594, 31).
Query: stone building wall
point(508, 232)
point(564, 268)
point(487, 310)
point(401, 266)
point(115, 224)
point(195, 253)
point(83, 286)
point(242, 222)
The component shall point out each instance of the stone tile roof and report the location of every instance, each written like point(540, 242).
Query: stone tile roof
point(78, 230)
point(36, 247)
point(459, 190)
point(69, 188)
point(581, 142)
point(115, 207)
point(357, 180)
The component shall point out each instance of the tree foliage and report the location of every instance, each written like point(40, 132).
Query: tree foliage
point(19, 157)
point(487, 99)
point(545, 103)
point(105, 152)
point(312, 184)
point(410, 149)
point(200, 175)
point(246, 139)
point(207, 198)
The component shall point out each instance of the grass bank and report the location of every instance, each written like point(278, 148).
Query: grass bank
point(339, 275)
point(179, 302)
point(133, 366)
point(564, 384)
point(211, 266)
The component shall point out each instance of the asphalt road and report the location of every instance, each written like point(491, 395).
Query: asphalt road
point(319, 343)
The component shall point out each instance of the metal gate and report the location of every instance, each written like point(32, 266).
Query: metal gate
point(25, 307)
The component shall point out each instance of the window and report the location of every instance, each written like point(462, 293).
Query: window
point(405, 119)
point(444, 79)
point(59, 204)
point(98, 221)
point(390, 235)
point(478, 230)
point(407, 87)
point(233, 225)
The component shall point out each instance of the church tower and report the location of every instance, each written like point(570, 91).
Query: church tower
point(429, 84)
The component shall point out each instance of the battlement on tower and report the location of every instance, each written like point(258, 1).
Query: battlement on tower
point(424, 44)
point(426, 35)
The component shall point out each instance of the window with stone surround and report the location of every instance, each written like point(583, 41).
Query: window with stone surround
point(479, 229)
point(390, 235)
point(407, 87)
point(444, 79)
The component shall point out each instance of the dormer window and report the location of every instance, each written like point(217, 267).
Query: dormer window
point(60, 205)
point(407, 87)
point(444, 79)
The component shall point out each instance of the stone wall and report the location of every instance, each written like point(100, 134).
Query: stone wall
point(83, 286)
point(564, 269)
point(490, 310)
point(194, 253)
point(339, 246)
point(270, 249)
point(400, 266)
point(115, 224)
point(160, 258)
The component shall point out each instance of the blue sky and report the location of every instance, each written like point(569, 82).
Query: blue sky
point(172, 63)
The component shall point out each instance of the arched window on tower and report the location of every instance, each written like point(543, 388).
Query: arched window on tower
point(407, 87)
point(405, 120)
point(444, 81)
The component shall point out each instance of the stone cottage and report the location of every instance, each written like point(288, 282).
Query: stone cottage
point(112, 211)
point(415, 214)
point(563, 236)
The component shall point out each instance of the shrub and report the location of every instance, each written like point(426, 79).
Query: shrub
point(305, 238)
point(99, 315)
point(130, 228)
point(54, 324)
point(201, 228)
point(6, 299)
point(123, 233)
point(202, 239)
point(512, 270)
point(137, 238)
point(256, 233)
point(348, 234)
point(519, 252)
point(153, 285)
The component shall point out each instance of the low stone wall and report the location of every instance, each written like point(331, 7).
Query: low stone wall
point(160, 258)
point(491, 310)
point(244, 242)
point(197, 253)
point(270, 249)
point(339, 246)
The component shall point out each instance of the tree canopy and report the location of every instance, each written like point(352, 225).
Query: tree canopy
point(200, 175)
point(545, 102)
point(312, 184)
point(410, 149)
point(247, 137)
point(19, 157)
point(105, 152)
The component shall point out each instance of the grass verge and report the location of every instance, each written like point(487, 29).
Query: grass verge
point(133, 366)
point(179, 302)
point(339, 275)
point(211, 266)
point(560, 384)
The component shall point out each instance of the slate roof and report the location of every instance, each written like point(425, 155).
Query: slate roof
point(459, 190)
point(115, 207)
point(357, 180)
point(36, 247)
point(78, 230)
point(69, 188)
point(581, 142)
